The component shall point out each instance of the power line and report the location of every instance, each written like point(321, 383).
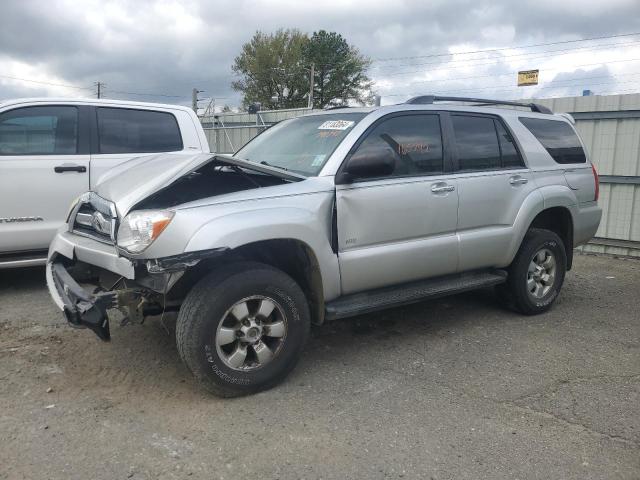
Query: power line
point(483, 64)
point(545, 86)
point(508, 73)
point(149, 94)
point(508, 48)
point(555, 52)
point(99, 85)
point(45, 83)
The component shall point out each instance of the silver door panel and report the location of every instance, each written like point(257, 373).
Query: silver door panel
point(388, 264)
point(397, 230)
point(489, 205)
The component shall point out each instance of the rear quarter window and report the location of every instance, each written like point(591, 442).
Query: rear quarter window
point(558, 138)
point(122, 130)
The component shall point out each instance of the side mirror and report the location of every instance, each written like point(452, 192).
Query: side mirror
point(368, 164)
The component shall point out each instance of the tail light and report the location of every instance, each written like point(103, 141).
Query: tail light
point(596, 179)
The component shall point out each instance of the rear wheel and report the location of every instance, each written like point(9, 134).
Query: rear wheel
point(242, 328)
point(536, 274)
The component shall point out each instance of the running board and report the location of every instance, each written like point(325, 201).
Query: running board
point(407, 293)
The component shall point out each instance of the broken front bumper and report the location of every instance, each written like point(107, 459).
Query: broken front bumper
point(81, 308)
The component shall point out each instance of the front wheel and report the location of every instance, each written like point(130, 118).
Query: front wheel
point(242, 328)
point(536, 274)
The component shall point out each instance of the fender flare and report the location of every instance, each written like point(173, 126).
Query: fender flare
point(284, 223)
point(537, 201)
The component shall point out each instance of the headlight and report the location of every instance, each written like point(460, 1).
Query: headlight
point(139, 229)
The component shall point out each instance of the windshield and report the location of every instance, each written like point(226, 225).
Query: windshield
point(302, 144)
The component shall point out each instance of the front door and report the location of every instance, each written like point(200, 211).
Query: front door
point(44, 165)
point(401, 227)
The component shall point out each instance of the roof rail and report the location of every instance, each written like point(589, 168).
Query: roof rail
point(429, 99)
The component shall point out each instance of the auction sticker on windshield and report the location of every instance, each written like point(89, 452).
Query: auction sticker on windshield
point(336, 125)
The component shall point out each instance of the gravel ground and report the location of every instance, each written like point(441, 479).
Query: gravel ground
point(453, 388)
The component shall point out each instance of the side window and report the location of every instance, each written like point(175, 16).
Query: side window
point(559, 139)
point(508, 151)
point(51, 130)
point(477, 143)
point(414, 141)
point(122, 130)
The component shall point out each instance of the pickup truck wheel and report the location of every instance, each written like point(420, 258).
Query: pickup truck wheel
point(242, 328)
point(536, 274)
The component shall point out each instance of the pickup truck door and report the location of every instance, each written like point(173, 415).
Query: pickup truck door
point(122, 134)
point(44, 165)
point(493, 183)
point(401, 227)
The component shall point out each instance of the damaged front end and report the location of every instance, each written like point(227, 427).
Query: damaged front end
point(96, 263)
point(87, 294)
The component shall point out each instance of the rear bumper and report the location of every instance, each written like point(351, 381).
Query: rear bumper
point(587, 222)
point(81, 308)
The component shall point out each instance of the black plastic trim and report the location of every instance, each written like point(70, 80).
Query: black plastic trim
point(412, 292)
point(81, 308)
point(430, 99)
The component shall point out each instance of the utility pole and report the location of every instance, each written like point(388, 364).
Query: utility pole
point(99, 86)
point(311, 85)
point(194, 99)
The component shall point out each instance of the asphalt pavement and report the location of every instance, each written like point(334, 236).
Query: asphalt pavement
point(454, 388)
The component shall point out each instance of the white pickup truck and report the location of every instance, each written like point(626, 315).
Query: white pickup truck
point(53, 150)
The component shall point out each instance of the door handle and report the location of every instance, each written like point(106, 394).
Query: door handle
point(518, 180)
point(440, 188)
point(70, 168)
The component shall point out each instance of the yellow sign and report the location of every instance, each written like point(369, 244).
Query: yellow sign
point(528, 77)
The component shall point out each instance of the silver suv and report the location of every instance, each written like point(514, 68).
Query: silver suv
point(330, 215)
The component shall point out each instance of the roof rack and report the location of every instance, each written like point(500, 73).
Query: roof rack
point(429, 99)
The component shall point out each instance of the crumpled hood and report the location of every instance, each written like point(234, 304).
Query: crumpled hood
point(132, 181)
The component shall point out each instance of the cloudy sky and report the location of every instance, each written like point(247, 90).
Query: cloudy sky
point(158, 50)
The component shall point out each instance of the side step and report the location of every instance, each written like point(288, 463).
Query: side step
point(407, 293)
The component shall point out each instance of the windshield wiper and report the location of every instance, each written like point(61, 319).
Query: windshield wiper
point(274, 166)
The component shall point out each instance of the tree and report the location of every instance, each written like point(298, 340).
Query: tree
point(340, 70)
point(272, 70)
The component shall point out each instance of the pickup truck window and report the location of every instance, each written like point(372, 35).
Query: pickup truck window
point(303, 144)
point(415, 141)
point(122, 130)
point(558, 138)
point(51, 130)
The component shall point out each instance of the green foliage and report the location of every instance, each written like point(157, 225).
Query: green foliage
point(340, 70)
point(274, 70)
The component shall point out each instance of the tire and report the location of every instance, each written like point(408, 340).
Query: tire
point(234, 300)
point(532, 285)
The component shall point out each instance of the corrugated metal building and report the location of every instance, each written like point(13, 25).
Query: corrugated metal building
point(609, 126)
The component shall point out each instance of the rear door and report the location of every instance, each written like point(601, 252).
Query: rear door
point(122, 134)
point(400, 227)
point(44, 165)
point(493, 182)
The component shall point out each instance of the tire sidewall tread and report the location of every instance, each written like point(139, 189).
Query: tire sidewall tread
point(515, 292)
point(204, 308)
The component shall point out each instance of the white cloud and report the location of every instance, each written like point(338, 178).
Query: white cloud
point(169, 46)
